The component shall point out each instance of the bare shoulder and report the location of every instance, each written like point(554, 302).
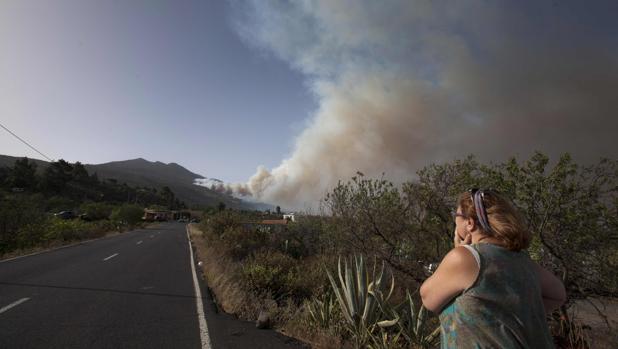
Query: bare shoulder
point(459, 257)
point(457, 271)
point(458, 264)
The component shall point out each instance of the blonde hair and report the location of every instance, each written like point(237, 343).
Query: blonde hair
point(507, 224)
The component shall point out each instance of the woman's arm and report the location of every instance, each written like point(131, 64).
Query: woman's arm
point(554, 294)
point(457, 271)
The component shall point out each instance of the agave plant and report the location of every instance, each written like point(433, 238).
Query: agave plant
point(384, 341)
point(359, 296)
point(413, 325)
point(323, 312)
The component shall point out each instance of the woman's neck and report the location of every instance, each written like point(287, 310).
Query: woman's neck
point(485, 239)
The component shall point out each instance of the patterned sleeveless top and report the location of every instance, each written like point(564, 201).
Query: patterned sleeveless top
point(502, 309)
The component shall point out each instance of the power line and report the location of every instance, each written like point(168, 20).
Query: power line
point(26, 143)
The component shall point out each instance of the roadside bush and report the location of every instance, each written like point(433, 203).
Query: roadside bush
point(64, 230)
point(16, 211)
point(242, 243)
point(274, 272)
point(127, 214)
point(222, 221)
point(96, 210)
point(30, 235)
point(302, 238)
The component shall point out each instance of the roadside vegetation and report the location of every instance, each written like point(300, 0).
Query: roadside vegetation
point(349, 277)
point(62, 203)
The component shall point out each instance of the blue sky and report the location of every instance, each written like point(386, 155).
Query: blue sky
point(98, 81)
point(282, 99)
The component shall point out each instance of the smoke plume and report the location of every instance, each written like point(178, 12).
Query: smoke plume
point(402, 84)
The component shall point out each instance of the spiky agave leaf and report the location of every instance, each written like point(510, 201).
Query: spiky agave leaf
point(339, 294)
point(388, 323)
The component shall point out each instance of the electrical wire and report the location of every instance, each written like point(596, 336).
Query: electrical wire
point(26, 143)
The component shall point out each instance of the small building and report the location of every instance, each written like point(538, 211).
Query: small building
point(157, 215)
point(289, 217)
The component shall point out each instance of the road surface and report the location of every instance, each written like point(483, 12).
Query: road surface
point(133, 290)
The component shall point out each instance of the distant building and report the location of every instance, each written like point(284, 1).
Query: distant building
point(157, 215)
point(289, 216)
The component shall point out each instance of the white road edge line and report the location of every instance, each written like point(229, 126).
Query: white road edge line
point(14, 304)
point(139, 242)
point(110, 257)
point(198, 300)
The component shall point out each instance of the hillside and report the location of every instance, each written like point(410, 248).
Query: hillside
point(141, 172)
point(144, 173)
point(9, 161)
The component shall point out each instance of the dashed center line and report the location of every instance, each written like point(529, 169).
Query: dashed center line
point(139, 242)
point(14, 304)
point(110, 257)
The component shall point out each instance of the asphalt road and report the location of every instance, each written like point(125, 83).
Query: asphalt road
point(133, 290)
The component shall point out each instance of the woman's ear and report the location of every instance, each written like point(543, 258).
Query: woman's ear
point(470, 225)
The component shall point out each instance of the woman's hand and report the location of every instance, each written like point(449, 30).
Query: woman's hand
point(458, 241)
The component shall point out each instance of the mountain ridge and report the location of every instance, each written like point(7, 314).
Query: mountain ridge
point(155, 174)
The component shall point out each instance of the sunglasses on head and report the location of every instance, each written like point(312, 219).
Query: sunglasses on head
point(478, 195)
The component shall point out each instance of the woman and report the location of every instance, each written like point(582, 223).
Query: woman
point(487, 290)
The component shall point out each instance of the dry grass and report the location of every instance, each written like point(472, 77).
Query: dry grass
point(318, 337)
point(222, 275)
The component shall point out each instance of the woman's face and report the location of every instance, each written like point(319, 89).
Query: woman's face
point(461, 222)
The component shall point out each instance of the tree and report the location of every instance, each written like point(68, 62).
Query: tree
point(5, 172)
point(278, 210)
point(23, 174)
point(571, 211)
point(168, 197)
point(79, 173)
point(56, 176)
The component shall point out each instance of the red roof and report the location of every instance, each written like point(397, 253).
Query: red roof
point(275, 221)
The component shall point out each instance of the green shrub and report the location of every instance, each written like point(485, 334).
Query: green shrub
point(96, 210)
point(59, 203)
point(127, 214)
point(242, 243)
point(274, 272)
point(65, 230)
point(30, 235)
point(220, 222)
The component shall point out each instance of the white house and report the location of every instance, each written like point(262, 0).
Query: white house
point(289, 216)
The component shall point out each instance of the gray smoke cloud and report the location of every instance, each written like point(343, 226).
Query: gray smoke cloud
point(402, 84)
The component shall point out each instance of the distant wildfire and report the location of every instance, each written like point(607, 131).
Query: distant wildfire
point(408, 83)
